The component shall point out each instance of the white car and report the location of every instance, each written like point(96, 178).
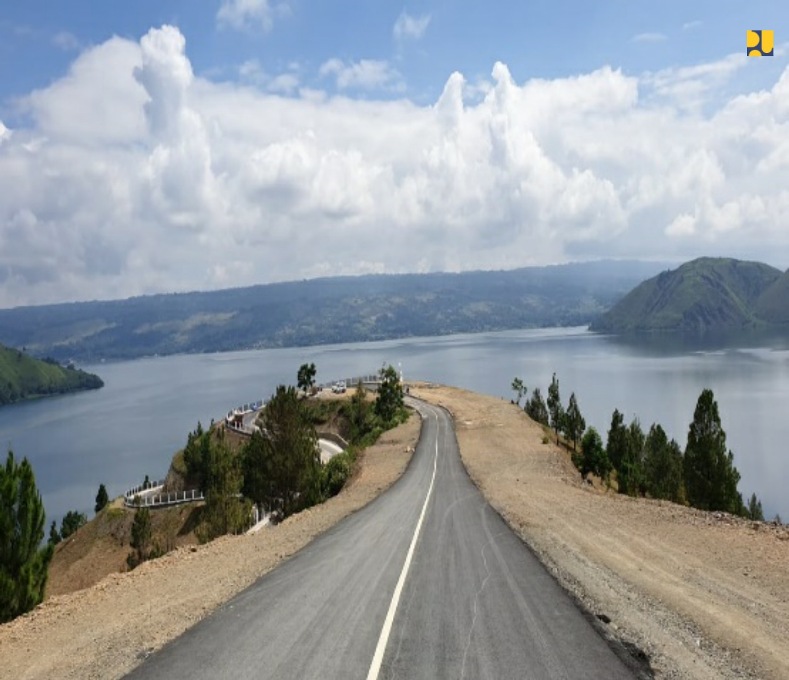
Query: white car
point(338, 387)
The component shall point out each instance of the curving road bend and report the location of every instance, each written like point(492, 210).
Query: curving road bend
point(425, 582)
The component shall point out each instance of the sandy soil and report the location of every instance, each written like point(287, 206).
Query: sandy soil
point(703, 595)
point(106, 630)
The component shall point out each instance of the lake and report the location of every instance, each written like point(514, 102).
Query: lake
point(133, 425)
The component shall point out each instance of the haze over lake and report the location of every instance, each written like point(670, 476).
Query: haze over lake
point(133, 425)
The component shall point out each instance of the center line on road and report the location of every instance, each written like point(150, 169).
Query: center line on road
point(383, 639)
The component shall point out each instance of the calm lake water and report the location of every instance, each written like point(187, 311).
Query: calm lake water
point(133, 425)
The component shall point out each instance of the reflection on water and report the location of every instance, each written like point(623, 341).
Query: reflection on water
point(132, 426)
point(670, 344)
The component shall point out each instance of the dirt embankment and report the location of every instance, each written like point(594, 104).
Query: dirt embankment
point(704, 595)
point(104, 631)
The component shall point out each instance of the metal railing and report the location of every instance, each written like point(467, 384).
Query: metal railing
point(144, 489)
point(163, 499)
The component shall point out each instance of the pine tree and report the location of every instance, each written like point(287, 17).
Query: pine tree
point(710, 476)
point(593, 456)
point(616, 446)
point(141, 535)
point(574, 423)
point(281, 465)
point(390, 395)
point(755, 511)
point(71, 522)
point(555, 408)
point(520, 389)
point(54, 534)
point(662, 466)
point(631, 473)
point(305, 377)
point(23, 564)
point(225, 512)
point(196, 456)
point(102, 498)
point(536, 408)
point(358, 414)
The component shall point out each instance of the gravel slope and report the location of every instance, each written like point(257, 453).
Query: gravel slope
point(106, 630)
point(704, 595)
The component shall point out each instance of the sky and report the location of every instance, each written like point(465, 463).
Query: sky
point(175, 145)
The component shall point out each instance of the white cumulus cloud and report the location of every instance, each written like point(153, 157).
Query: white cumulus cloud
point(249, 14)
point(136, 175)
point(365, 74)
point(410, 27)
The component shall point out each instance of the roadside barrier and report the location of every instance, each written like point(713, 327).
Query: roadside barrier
point(163, 499)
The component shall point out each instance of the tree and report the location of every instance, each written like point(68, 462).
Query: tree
point(72, 521)
point(519, 388)
point(631, 473)
point(281, 464)
point(306, 377)
point(225, 512)
point(662, 466)
point(54, 534)
point(536, 408)
point(389, 401)
point(616, 445)
point(754, 510)
point(141, 535)
point(555, 408)
point(23, 563)
point(102, 498)
point(335, 473)
point(573, 423)
point(710, 476)
point(358, 414)
point(197, 455)
point(593, 456)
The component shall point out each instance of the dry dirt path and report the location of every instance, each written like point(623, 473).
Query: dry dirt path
point(104, 631)
point(704, 595)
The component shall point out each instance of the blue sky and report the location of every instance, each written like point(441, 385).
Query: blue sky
point(544, 39)
point(476, 135)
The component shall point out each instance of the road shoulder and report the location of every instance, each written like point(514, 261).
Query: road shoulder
point(106, 630)
point(702, 594)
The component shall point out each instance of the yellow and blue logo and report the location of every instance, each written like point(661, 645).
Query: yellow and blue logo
point(759, 43)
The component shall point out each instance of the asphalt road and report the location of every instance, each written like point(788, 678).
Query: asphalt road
point(425, 582)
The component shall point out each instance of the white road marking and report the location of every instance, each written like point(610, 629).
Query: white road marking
point(383, 639)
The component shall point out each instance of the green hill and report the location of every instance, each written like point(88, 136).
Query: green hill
point(22, 377)
point(707, 293)
point(773, 303)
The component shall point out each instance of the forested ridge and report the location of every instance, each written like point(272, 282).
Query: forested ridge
point(323, 311)
point(704, 294)
point(23, 377)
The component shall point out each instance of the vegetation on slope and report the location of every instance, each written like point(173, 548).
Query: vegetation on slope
point(773, 303)
point(23, 562)
point(279, 468)
point(707, 293)
point(23, 377)
point(321, 311)
point(648, 464)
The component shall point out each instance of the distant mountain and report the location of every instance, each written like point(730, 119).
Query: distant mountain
point(22, 377)
point(773, 303)
point(322, 311)
point(707, 293)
